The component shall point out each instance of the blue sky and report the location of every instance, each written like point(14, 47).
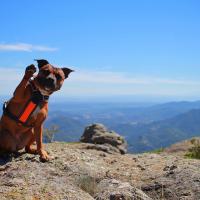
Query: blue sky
point(139, 48)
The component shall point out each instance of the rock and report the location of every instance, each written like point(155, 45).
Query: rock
point(116, 190)
point(141, 167)
point(77, 173)
point(106, 148)
point(153, 186)
point(104, 140)
point(169, 167)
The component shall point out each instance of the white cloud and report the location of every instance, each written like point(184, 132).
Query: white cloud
point(83, 83)
point(25, 47)
point(107, 77)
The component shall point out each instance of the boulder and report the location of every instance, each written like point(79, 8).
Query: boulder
point(102, 139)
point(116, 190)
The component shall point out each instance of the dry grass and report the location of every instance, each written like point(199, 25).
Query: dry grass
point(88, 184)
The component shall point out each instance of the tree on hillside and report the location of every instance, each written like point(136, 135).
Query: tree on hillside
point(48, 133)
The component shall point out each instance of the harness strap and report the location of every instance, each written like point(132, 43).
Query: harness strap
point(13, 117)
point(30, 107)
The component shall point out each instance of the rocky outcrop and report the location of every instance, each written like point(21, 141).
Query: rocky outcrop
point(78, 173)
point(104, 140)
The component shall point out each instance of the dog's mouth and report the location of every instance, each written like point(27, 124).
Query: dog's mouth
point(46, 84)
point(47, 89)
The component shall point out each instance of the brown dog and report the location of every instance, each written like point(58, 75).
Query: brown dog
point(22, 121)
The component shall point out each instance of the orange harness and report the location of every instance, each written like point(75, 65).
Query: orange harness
point(36, 99)
point(27, 112)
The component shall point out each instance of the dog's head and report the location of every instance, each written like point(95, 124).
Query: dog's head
point(49, 78)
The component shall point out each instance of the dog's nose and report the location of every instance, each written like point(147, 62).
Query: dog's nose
point(50, 82)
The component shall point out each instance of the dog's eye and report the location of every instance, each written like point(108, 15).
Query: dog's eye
point(45, 72)
point(58, 76)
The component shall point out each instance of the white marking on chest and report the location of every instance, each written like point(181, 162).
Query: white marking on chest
point(36, 111)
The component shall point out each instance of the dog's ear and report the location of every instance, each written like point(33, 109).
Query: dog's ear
point(67, 71)
point(41, 62)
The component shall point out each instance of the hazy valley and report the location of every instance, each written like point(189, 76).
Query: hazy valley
point(145, 126)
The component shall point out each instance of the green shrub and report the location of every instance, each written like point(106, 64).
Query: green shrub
point(160, 150)
point(194, 151)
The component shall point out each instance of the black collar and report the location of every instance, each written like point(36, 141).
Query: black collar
point(37, 96)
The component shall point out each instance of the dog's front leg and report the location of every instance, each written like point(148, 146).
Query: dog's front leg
point(40, 150)
point(20, 90)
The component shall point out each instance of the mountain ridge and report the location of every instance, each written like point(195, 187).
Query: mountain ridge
point(166, 132)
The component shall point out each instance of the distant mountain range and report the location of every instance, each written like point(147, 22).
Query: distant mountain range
point(164, 133)
point(145, 126)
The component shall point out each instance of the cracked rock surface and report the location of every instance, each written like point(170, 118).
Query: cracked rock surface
point(78, 173)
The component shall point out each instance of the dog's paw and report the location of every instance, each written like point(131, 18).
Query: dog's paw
point(30, 70)
point(31, 150)
point(44, 157)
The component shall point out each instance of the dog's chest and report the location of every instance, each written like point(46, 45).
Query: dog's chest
point(36, 111)
point(39, 114)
